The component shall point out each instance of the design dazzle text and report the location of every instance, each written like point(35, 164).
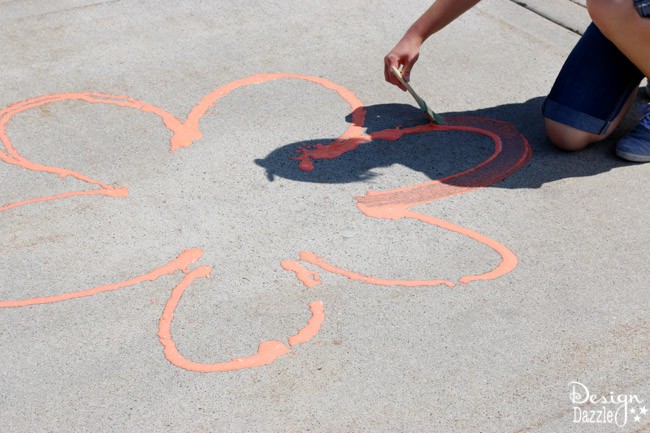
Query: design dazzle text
point(605, 409)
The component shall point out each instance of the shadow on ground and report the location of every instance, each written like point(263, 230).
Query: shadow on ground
point(439, 154)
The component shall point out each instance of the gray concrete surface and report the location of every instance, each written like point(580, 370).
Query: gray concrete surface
point(572, 15)
point(492, 356)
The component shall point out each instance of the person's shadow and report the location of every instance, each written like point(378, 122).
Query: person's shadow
point(440, 154)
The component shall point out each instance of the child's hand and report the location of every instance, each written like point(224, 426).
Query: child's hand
point(405, 54)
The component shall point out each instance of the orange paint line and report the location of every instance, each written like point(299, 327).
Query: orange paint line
point(111, 192)
point(318, 261)
point(509, 260)
point(184, 133)
point(511, 152)
point(313, 325)
point(307, 277)
point(185, 259)
point(267, 352)
point(191, 125)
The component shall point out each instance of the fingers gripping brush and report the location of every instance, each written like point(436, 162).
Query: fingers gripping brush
point(423, 105)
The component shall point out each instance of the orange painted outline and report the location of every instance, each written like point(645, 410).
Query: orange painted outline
point(181, 263)
point(392, 204)
point(267, 352)
point(184, 133)
point(313, 325)
point(511, 152)
point(308, 277)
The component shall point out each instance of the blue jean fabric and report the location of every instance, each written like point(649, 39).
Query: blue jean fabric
point(642, 7)
point(593, 85)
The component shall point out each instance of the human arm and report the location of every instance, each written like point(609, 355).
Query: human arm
point(407, 50)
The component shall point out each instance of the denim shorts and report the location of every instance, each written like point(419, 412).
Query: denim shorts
point(594, 83)
point(642, 7)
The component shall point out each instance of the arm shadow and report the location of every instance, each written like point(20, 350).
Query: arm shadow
point(439, 154)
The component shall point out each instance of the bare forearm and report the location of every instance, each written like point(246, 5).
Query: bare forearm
point(441, 13)
point(407, 50)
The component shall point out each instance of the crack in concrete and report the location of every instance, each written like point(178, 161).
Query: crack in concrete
point(525, 5)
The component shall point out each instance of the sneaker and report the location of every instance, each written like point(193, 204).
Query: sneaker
point(635, 146)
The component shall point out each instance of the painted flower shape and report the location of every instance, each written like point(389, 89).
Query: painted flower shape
point(511, 152)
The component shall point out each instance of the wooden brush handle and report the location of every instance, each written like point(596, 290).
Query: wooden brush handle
point(417, 98)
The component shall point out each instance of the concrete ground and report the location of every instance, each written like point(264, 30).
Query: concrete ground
point(494, 355)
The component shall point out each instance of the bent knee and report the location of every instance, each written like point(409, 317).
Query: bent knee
point(568, 138)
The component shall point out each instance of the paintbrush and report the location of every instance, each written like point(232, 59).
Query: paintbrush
point(423, 105)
